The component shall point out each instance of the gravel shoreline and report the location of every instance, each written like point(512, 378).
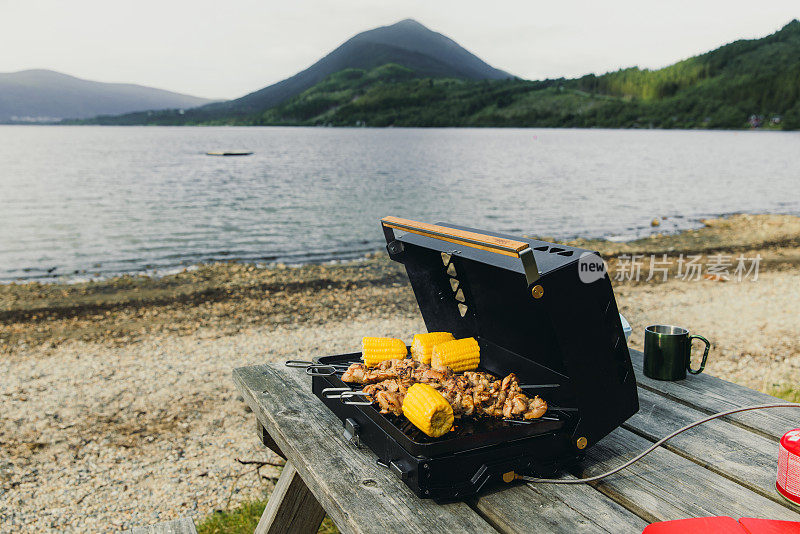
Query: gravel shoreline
point(118, 409)
point(97, 438)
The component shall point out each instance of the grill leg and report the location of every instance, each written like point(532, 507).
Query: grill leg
point(292, 508)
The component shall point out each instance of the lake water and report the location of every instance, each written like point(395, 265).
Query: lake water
point(88, 201)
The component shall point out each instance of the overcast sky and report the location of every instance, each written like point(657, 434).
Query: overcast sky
point(227, 49)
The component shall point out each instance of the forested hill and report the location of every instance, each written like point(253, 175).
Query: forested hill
point(726, 85)
point(742, 84)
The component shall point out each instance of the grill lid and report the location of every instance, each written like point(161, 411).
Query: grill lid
point(524, 299)
point(480, 284)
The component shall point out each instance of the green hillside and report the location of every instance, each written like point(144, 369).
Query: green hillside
point(392, 95)
point(748, 80)
point(721, 88)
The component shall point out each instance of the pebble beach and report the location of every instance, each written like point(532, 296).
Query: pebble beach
point(117, 407)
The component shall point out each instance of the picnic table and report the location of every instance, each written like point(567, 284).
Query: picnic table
point(725, 467)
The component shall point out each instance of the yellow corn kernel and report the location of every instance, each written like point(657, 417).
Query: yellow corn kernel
point(374, 350)
point(428, 410)
point(422, 346)
point(459, 355)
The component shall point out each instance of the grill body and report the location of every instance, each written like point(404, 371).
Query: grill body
point(458, 465)
point(532, 314)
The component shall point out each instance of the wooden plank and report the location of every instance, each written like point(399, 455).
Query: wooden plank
point(556, 508)
point(359, 495)
point(665, 486)
point(711, 394)
point(184, 525)
point(267, 440)
point(292, 508)
point(748, 458)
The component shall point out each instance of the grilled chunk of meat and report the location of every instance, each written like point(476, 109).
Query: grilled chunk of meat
point(392, 385)
point(355, 374)
point(390, 402)
point(389, 394)
point(479, 380)
point(537, 407)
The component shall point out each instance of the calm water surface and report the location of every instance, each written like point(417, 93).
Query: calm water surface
point(78, 201)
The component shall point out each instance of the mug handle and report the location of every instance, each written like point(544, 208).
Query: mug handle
point(705, 355)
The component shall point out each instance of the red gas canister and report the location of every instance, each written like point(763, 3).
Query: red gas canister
point(789, 466)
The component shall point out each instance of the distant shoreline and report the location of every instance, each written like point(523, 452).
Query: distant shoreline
point(86, 275)
point(391, 127)
point(222, 283)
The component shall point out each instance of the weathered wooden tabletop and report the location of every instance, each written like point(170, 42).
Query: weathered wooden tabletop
point(725, 467)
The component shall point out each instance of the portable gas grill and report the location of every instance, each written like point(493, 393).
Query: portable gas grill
point(525, 303)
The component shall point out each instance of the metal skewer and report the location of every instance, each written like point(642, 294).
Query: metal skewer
point(521, 386)
point(347, 395)
point(344, 394)
point(328, 369)
point(531, 421)
point(334, 393)
point(303, 363)
point(318, 369)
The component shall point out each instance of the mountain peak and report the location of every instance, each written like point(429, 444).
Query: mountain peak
point(408, 43)
point(409, 35)
point(410, 23)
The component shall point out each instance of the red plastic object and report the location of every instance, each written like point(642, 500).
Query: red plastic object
point(723, 525)
point(769, 526)
point(788, 483)
point(699, 525)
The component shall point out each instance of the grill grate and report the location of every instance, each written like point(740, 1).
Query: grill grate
point(469, 425)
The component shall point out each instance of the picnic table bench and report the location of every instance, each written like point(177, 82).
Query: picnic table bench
point(725, 467)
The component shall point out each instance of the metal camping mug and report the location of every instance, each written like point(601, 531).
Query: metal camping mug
point(667, 352)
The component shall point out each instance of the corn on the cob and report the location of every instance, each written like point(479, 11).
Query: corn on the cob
point(422, 346)
point(374, 350)
point(428, 410)
point(459, 355)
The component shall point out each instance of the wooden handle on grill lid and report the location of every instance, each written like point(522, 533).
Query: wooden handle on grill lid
point(489, 243)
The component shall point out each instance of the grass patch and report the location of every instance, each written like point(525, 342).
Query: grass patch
point(789, 393)
point(244, 518)
point(327, 527)
point(241, 520)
